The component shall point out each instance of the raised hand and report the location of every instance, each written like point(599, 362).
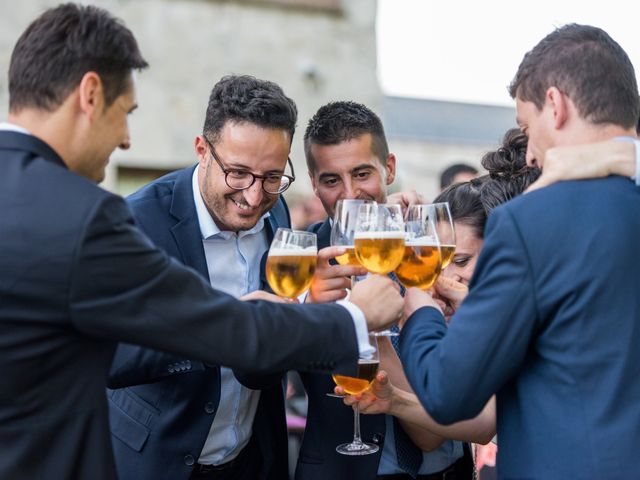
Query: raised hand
point(452, 292)
point(330, 282)
point(414, 298)
point(379, 298)
point(377, 399)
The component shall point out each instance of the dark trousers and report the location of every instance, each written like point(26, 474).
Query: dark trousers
point(246, 466)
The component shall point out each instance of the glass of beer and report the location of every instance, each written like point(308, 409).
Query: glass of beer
point(343, 229)
point(367, 369)
point(291, 262)
point(379, 237)
point(446, 232)
point(422, 260)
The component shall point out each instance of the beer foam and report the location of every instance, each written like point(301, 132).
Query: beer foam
point(293, 252)
point(376, 235)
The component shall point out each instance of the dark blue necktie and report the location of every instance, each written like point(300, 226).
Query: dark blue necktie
point(409, 456)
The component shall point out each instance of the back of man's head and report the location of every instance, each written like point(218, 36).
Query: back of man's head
point(60, 46)
point(449, 174)
point(588, 66)
point(243, 98)
point(338, 122)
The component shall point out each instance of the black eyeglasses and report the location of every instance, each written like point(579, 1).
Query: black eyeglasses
point(272, 183)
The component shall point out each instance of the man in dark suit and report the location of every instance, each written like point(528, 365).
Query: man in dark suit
point(551, 321)
point(77, 276)
point(195, 410)
point(348, 158)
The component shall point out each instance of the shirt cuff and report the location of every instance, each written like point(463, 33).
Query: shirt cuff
point(360, 324)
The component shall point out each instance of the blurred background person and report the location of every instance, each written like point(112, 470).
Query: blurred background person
point(457, 173)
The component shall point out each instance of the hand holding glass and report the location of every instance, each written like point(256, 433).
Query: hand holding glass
point(367, 369)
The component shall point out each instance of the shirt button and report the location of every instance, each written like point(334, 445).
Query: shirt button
point(189, 460)
point(209, 407)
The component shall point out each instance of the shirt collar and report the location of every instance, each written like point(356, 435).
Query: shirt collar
point(209, 228)
point(12, 127)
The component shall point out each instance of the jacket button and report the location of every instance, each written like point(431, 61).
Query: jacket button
point(377, 438)
point(189, 460)
point(209, 407)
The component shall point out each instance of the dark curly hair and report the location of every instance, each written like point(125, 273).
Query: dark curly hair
point(243, 98)
point(509, 174)
point(472, 202)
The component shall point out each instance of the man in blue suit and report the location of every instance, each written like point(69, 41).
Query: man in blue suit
point(551, 323)
point(169, 408)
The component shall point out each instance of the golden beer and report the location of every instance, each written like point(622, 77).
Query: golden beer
point(379, 252)
point(447, 252)
point(420, 266)
point(367, 370)
point(289, 271)
point(348, 257)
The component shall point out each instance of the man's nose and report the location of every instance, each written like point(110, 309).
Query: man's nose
point(531, 159)
point(253, 195)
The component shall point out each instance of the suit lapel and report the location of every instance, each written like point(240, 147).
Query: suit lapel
point(278, 217)
point(324, 234)
point(186, 231)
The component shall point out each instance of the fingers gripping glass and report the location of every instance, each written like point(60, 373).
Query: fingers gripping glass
point(272, 183)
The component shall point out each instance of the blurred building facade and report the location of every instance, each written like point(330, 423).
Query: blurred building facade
point(317, 50)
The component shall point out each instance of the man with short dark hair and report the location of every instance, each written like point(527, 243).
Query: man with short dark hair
point(77, 275)
point(218, 218)
point(551, 321)
point(348, 158)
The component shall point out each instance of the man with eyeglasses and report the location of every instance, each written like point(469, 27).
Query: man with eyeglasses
point(178, 418)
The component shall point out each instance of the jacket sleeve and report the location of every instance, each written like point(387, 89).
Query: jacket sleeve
point(125, 289)
point(454, 371)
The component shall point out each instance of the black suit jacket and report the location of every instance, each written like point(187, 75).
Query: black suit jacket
point(76, 276)
point(164, 405)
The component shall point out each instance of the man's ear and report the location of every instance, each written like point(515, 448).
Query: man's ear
point(202, 150)
point(390, 168)
point(558, 102)
point(91, 95)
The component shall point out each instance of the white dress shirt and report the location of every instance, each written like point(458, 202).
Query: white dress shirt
point(233, 262)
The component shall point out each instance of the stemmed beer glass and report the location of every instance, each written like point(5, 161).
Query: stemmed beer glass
point(367, 370)
point(446, 231)
point(291, 262)
point(379, 240)
point(343, 229)
point(422, 260)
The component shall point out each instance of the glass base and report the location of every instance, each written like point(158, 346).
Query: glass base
point(385, 333)
point(357, 448)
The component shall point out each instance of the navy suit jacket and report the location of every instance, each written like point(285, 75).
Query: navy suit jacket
point(182, 395)
point(330, 423)
point(77, 276)
point(552, 326)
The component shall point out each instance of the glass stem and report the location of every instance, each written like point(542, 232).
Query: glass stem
point(356, 426)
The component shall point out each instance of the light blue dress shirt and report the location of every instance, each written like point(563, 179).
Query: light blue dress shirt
point(233, 262)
